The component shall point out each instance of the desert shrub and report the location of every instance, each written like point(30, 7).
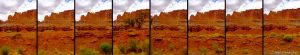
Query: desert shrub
point(245, 51)
point(129, 23)
point(218, 35)
point(171, 46)
point(204, 51)
point(41, 52)
point(146, 45)
point(8, 31)
point(106, 47)
point(133, 45)
point(17, 36)
point(135, 21)
point(272, 34)
point(139, 22)
point(132, 34)
point(216, 47)
point(185, 51)
point(86, 51)
point(20, 51)
point(287, 38)
point(123, 49)
point(5, 50)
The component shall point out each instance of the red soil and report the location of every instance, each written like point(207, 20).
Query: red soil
point(17, 33)
point(56, 33)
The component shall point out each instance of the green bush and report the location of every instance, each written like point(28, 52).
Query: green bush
point(130, 23)
point(133, 22)
point(245, 51)
point(123, 49)
point(106, 47)
point(133, 45)
point(21, 51)
point(41, 52)
point(171, 46)
point(5, 50)
point(287, 38)
point(216, 47)
point(204, 51)
point(87, 51)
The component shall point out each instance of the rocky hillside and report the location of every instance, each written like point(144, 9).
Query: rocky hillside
point(248, 14)
point(144, 13)
point(59, 19)
point(179, 15)
point(214, 14)
point(22, 18)
point(287, 14)
point(96, 17)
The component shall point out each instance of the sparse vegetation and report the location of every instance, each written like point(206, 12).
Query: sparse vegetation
point(171, 47)
point(106, 47)
point(86, 51)
point(204, 51)
point(272, 34)
point(287, 38)
point(8, 31)
point(133, 45)
point(146, 45)
point(17, 36)
point(217, 48)
point(5, 50)
point(21, 51)
point(218, 35)
point(135, 22)
point(245, 51)
point(123, 49)
point(129, 23)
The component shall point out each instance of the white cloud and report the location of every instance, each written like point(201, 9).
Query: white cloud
point(179, 5)
point(158, 6)
point(85, 6)
point(242, 5)
point(28, 5)
point(204, 6)
point(9, 7)
point(121, 6)
point(279, 5)
point(46, 7)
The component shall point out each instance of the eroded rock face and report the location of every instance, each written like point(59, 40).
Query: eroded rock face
point(282, 27)
point(210, 28)
point(16, 23)
point(117, 28)
point(174, 16)
point(287, 14)
point(245, 28)
point(248, 14)
point(196, 28)
point(159, 27)
point(214, 14)
point(231, 28)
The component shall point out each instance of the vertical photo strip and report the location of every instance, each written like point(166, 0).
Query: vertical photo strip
point(169, 27)
point(131, 27)
point(93, 31)
point(244, 27)
point(56, 27)
point(281, 27)
point(17, 36)
point(206, 27)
